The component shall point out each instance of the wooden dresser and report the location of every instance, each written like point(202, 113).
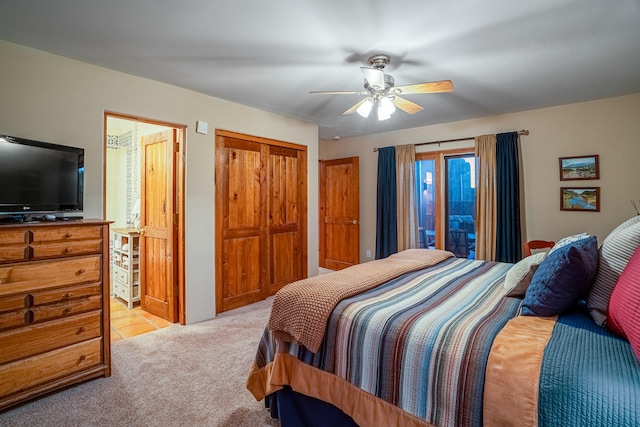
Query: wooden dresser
point(54, 306)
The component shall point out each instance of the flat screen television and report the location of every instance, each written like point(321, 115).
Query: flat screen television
point(40, 177)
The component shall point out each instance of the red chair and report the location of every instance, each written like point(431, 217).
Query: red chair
point(536, 244)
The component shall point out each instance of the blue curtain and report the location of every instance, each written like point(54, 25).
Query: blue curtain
point(386, 205)
point(508, 229)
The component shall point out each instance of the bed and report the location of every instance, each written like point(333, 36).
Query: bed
point(434, 341)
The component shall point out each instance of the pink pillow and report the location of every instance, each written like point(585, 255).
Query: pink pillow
point(623, 316)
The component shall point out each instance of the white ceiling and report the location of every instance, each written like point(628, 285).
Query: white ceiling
point(501, 55)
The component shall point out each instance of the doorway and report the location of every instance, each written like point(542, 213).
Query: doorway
point(339, 213)
point(143, 196)
point(446, 187)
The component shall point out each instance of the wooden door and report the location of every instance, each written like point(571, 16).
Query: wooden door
point(241, 241)
point(158, 287)
point(287, 168)
point(339, 213)
point(260, 218)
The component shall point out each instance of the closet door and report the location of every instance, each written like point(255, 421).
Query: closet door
point(240, 223)
point(261, 218)
point(287, 236)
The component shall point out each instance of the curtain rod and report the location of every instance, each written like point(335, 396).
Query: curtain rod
point(520, 132)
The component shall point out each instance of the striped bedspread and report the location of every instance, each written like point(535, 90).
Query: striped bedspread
point(301, 309)
point(419, 342)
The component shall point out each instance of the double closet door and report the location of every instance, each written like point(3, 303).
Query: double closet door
point(261, 217)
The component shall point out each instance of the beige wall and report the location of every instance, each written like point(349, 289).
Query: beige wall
point(51, 98)
point(608, 127)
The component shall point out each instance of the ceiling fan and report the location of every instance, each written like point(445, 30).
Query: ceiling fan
point(381, 92)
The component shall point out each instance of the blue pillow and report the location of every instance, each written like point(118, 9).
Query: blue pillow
point(562, 278)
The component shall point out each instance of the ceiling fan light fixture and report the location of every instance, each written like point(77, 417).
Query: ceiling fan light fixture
point(365, 108)
point(385, 108)
point(387, 105)
point(382, 115)
point(380, 91)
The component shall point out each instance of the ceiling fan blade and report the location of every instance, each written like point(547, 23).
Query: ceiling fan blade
point(338, 92)
point(429, 87)
point(374, 77)
point(406, 105)
point(354, 108)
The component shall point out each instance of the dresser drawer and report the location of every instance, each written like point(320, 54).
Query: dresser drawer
point(36, 339)
point(14, 302)
point(15, 318)
point(33, 371)
point(13, 253)
point(67, 294)
point(13, 311)
point(25, 309)
point(42, 313)
point(33, 276)
point(51, 234)
point(121, 290)
point(14, 245)
point(120, 275)
point(118, 287)
point(65, 249)
point(14, 237)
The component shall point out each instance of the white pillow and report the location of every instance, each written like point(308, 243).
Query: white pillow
point(519, 276)
point(615, 252)
point(628, 223)
point(567, 240)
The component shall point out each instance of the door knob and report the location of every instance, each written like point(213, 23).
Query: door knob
point(141, 231)
point(353, 221)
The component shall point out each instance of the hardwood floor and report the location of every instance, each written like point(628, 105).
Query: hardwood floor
point(127, 323)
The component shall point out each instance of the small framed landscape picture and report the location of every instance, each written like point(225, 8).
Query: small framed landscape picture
point(583, 167)
point(580, 199)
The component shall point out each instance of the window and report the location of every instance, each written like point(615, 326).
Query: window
point(426, 185)
point(446, 201)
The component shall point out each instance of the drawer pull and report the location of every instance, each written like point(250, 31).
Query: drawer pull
point(28, 317)
point(67, 295)
point(83, 357)
point(67, 236)
point(67, 250)
point(80, 330)
point(81, 271)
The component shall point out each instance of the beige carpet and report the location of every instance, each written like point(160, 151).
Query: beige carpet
point(178, 376)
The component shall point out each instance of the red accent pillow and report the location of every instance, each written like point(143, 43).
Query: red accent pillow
point(624, 306)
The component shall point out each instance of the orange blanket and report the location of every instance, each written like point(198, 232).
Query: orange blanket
point(301, 309)
point(513, 372)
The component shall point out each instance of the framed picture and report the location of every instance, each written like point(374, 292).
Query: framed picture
point(576, 168)
point(580, 199)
